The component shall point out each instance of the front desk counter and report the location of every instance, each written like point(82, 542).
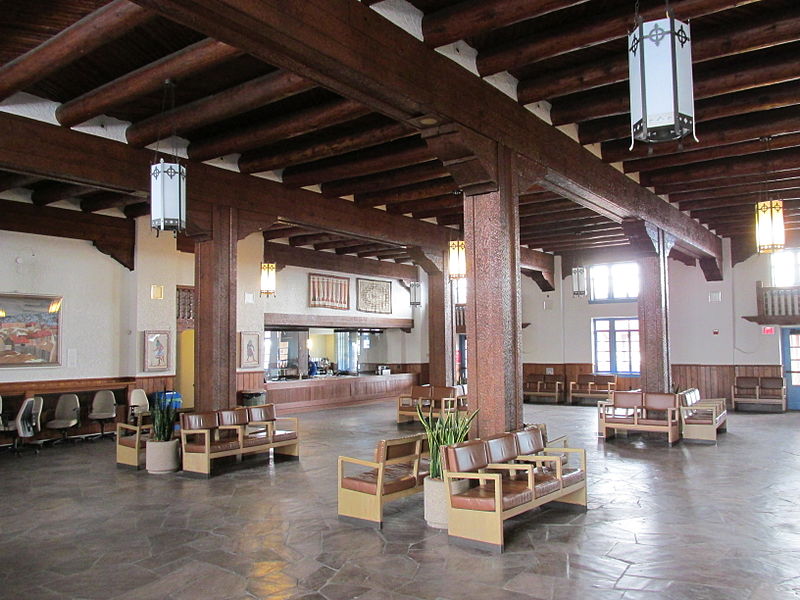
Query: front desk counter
point(343, 390)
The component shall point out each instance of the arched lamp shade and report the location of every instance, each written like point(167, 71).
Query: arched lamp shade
point(661, 88)
point(168, 196)
point(457, 263)
point(269, 283)
point(770, 235)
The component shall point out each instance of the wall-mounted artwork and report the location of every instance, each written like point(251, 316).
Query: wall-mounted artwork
point(249, 349)
point(156, 350)
point(328, 291)
point(374, 296)
point(30, 330)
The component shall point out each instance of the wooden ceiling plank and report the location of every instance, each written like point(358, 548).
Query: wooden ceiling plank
point(427, 213)
point(408, 193)
point(444, 201)
point(360, 248)
point(692, 200)
point(256, 135)
point(217, 107)
point(538, 197)
point(150, 78)
point(283, 232)
point(386, 180)
point(734, 181)
point(54, 191)
point(105, 200)
point(313, 238)
point(105, 24)
point(587, 33)
point(9, 181)
point(464, 19)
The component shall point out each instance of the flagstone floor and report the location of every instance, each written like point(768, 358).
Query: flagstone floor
point(691, 522)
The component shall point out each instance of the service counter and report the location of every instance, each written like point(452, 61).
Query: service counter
point(329, 391)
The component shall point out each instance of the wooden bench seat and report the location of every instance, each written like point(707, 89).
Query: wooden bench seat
point(131, 444)
point(639, 411)
point(435, 400)
point(539, 386)
point(591, 387)
point(759, 392)
point(701, 419)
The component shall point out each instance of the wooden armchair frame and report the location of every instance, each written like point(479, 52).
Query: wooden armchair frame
point(132, 457)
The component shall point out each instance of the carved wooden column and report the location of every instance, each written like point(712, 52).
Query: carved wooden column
point(440, 315)
point(491, 233)
point(215, 312)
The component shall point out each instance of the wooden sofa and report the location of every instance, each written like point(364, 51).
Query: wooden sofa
point(235, 432)
point(514, 473)
point(639, 411)
point(701, 419)
point(397, 470)
point(759, 391)
point(539, 385)
point(432, 399)
point(591, 387)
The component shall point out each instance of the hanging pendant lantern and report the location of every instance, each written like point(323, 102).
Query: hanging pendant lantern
point(168, 196)
point(661, 87)
point(770, 235)
point(457, 263)
point(269, 283)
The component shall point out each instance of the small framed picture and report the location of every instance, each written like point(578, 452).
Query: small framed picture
point(249, 349)
point(156, 350)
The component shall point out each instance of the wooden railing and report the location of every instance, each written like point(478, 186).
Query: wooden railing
point(778, 301)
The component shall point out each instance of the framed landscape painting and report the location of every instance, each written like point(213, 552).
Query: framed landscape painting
point(156, 350)
point(30, 330)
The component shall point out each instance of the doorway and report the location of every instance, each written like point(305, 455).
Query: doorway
point(790, 353)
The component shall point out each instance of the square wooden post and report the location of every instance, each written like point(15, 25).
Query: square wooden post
point(654, 316)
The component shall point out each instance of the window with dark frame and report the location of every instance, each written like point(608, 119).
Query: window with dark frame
point(615, 345)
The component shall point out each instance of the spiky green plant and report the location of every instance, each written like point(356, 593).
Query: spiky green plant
point(450, 428)
point(163, 411)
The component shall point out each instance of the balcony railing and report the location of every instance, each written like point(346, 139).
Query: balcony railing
point(777, 305)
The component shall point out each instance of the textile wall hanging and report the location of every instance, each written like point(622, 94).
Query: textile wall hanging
point(374, 296)
point(328, 291)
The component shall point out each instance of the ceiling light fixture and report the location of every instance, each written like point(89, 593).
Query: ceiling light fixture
point(168, 182)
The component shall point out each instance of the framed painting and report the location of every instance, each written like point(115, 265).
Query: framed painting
point(328, 291)
point(156, 350)
point(374, 296)
point(30, 330)
point(249, 349)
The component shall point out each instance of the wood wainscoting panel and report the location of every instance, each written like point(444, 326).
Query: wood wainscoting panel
point(330, 392)
point(249, 380)
point(570, 371)
point(156, 384)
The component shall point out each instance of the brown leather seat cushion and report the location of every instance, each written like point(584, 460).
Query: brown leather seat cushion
point(545, 483)
point(256, 439)
point(514, 494)
point(129, 441)
point(281, 435)
point(697, 420)
point(571, 476)
point(663, 421)
point(610, 419)
point(395, 479)
point(215, 446)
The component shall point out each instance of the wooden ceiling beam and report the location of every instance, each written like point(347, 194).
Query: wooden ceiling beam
point(58, 153)
point(537, 197)
point(9, 181)
point(255, 135)
point(105, 200)
point(328, 261)
point(734, 181)
point(721, 196)
point(764, 32)
point(465, 19)
point(587, 33)
point(132, 211)
point(386, 180)
point(565, 215)
point(332, 245)
point(107, 23)
point(615, 100)
point(699, 208)
point(572, 228)
point(383, 254)
point(313, 238)
point(228, 103)
point(553, 239)
point(49, 192)
point(280, 156)
point(427, 213)
point(718, 107)
point(454, 219)
point(150, 78)
point(408, 193)
point(396, 81)
point(444, 201)
point(571, 247)
point(284, 232)
point(547, 207)
point(390, 156)
point(360, 248)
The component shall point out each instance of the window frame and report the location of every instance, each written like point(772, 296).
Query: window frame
point(610, 299)
point(612, 346)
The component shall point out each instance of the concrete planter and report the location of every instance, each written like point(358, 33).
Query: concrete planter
point(161, 457)
point(437, 502)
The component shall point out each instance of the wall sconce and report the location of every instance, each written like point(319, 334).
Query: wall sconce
point(770, 235)
point(269, 282)
point(457, 263)
point(156, 292)
point(579, 281)
point(661, 87)
point(414, 293)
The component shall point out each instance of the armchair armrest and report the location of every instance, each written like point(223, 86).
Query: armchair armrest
point(539, 459)
point(358, 461)
point(364, 463)
point(562, 439)
point(294, 421)
point(206, 433)
point(581, 452)
point(134, 428)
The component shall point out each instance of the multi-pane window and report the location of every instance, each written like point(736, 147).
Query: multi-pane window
point(794, 357)
point(785, 268)
point(616, 346)
point(616, 281)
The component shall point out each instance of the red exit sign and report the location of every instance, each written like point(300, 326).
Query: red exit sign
point(767, 330)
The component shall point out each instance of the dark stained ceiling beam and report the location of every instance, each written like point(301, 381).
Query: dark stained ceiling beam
point(572, 228)
point(280, 156)
point(132, 211)
point(360, 248)
point(105, 24)
point(588, 32)
point(590, 245)
point(283, 231)
point(464, 19)
point(455, 219)
point(408, 193)
point(764, 32)
point(383, 254)
point(547, 207)
point(341, 243)
point(9, 181)
point(49, 192)
point(217, 107)
point(150, 78)
point(443, 201)
point(575, 213)
point(427, 213)
point(386, 180)
point(734, 181)
point(555, 239)
point(104, 200)
point(313, 238)
point(295, 124)
point(691, 200)
point(537, 197)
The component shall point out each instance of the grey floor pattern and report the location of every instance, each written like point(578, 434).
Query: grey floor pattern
point(690, 522)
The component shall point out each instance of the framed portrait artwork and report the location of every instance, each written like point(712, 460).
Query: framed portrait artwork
point(249, 349)
point(374, 296)
point(30, 330)
point(156, 350)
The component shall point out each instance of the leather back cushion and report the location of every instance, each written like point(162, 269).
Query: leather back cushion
point(262, 412)
point(204, 420)
point(628, 399)
point(656, 401)
point(236, 416)
point(466, 457)
point(420, 391)
point(585, 378)
point(535, 377)
point(746, 384)
point(388, 449)
point(772, 383)
point(443, 392)
point(501, 447)
point(529, 441)
point(690, 397)
point(603, 380)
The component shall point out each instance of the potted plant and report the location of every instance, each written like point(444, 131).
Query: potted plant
point(161, 451)
point(449, 428)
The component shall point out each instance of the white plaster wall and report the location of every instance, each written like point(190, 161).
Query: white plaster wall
point(750, 346)
point(543, 339)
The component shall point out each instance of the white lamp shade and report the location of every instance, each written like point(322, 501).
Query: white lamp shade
point(770, 235)
point(269, 283)
point(661, 87)
point(457, 259)
point(168, 196)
